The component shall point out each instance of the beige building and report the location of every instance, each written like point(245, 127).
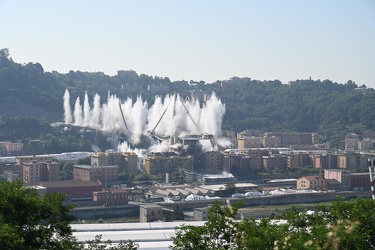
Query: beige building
point(249, 142)
point(32, 158)
point(161, 164)
point(150, 213)
point(271, 141)
point(127, 161)
point(104, 174)
point(312, 182)
point(33, 172)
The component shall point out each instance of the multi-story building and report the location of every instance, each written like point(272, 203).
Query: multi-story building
point(351, 142)
point(366, 144)
point(298, 160)
point(11, 147)
point(214, 161)
point(249, 142)
point(274, 161)
point(113, 197)
point(324, 160)
point(352, 160)
point(163, 163)
point(231, 136)
point(341, 175)
point(127, 161)
point(312, 182)
point(33, 172)
point(38, 158)
point(271, 141)
point(104, 174)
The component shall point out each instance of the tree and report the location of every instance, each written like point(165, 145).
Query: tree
point(341, 225)
point(30, 222)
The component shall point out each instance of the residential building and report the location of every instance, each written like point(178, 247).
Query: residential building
point(312, 182)
point(150, 213)
point(156, 164)
point(352, 160)
point(214, 161)
point(33, 172)
point(271, 141)
point(249, 142)
point(11, 147)
point(274, 161)
point(104, 174)
point(38, 158)
point(351, 142)
point(324, 160)
point(113, 197)
point(298, 160)
point(341, 175)
point(366, 144)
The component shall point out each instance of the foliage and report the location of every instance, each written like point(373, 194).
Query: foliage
point(327, 107)
point(30, 222)
point(341, 225)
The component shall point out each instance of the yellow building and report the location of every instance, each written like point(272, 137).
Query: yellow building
point(161, 164)
point(312, 182)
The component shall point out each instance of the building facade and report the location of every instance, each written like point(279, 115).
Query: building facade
point(33, 172)
point(341, 175)
point(104, 174)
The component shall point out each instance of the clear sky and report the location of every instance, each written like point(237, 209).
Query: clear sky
point(196, 40)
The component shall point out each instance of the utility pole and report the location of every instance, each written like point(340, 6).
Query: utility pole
point(371, 169)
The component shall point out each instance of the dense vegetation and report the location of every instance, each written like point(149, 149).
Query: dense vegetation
point(29, 222)
point(327, 107)
point(341, 225)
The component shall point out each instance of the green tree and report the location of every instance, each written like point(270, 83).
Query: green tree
point(341, 225)
point(31, 222)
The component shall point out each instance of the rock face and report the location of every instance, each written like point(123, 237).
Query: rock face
point(12, 106)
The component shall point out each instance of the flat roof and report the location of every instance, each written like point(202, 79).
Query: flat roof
point(69, 183)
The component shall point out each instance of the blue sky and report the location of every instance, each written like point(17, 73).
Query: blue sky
point(196, 40)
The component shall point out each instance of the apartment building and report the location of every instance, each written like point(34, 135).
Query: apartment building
point(352, 160)
point(33, 172)
point(351, 142)
point(104, 174)
point(38, 158)
point(274, 161)
point(271, 141)
point(341, 175)
point(249, 142)
point(127, 161)
point(214, 161)
point(312, 182)
point(298, 160)
point(163, 163)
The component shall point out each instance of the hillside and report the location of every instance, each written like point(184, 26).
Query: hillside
point(327, 107)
